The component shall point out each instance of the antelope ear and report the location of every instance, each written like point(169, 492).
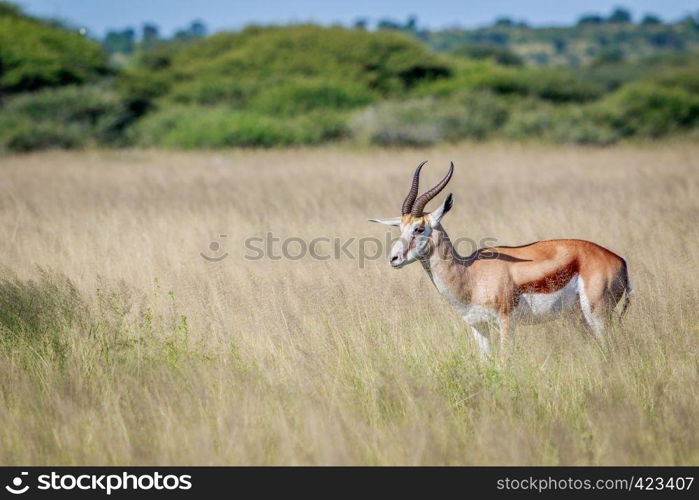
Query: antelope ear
point(437, 215)
point(388, 222)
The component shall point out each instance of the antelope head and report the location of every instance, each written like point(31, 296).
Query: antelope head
point(415, 225)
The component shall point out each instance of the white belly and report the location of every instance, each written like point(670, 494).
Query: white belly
point(532, 308)
point(541, 307)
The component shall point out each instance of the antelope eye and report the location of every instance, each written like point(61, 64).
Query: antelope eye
point(420, 229)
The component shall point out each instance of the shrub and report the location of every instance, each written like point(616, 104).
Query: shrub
point(472, 115)
point(210, 91)
point(64, 118)
point(25, 136)
point(638, 110)
point(466, 78)
point(397, 123)
point(686, 79)
point(140, 87)
point(219, 127)
point(34, 54)
point(496, 53)
point(303, 96)
point(257, 59)
point(10, 10)
point(611, 76)
point(571, 124)
point(94, 105)
point(530, 119)
point(649, 110)
point(549, 84)
point(425, 121)
point(561, 86)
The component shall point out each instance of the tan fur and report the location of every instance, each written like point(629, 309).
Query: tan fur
point(497, 277)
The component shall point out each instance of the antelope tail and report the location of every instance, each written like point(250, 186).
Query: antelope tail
point(628, 291)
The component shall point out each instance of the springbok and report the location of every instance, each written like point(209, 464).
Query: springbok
point(501, 286)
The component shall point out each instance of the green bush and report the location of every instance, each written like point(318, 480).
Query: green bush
point(472, 115)
point(63, 118)
point(257, 58)
point(686, 79)
point(496, 53)
point(556, 86)
point(650, 110)
point(148, 77)
point(10, 10)
point(218, 127)
point(140, 87)
point(570, 124)
point(210, 91)
point(552, 85)
point(611, 76)
point(34, 54)
point(292, 85)
point(307, 95)
point(425, 121)
point(273, 71)
point(638, 110)
point(530, 119)
point(24, 136)
point(397, 123)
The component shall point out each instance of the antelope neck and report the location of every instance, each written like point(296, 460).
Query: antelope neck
point(445, 267)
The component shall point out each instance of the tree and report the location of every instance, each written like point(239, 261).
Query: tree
point(504, 22)
point(411, 24)
point(590, 20)
point(620, 15)
point(36, 54)
point(196, 29)
point(120, 42)
point(10, 10)
point(609, 56)
point(690, 21)
point(361, 23)
point(559, 45)
point(388, 24)
point(499, 54)
point(666, 39)
point(150, 34)
point(651, 20)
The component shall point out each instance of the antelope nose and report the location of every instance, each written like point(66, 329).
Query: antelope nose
point(395, 260)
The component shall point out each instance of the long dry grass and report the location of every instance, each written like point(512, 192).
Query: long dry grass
point(120, 344)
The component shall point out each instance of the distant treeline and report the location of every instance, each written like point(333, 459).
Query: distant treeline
point(594, 39)
point(294, 85)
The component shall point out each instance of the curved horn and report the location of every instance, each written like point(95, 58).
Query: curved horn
point(425, 198)
point(412, 194)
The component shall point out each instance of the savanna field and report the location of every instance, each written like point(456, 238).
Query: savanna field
point(121, 344)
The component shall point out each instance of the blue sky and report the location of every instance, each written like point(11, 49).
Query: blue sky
point(100, 15)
